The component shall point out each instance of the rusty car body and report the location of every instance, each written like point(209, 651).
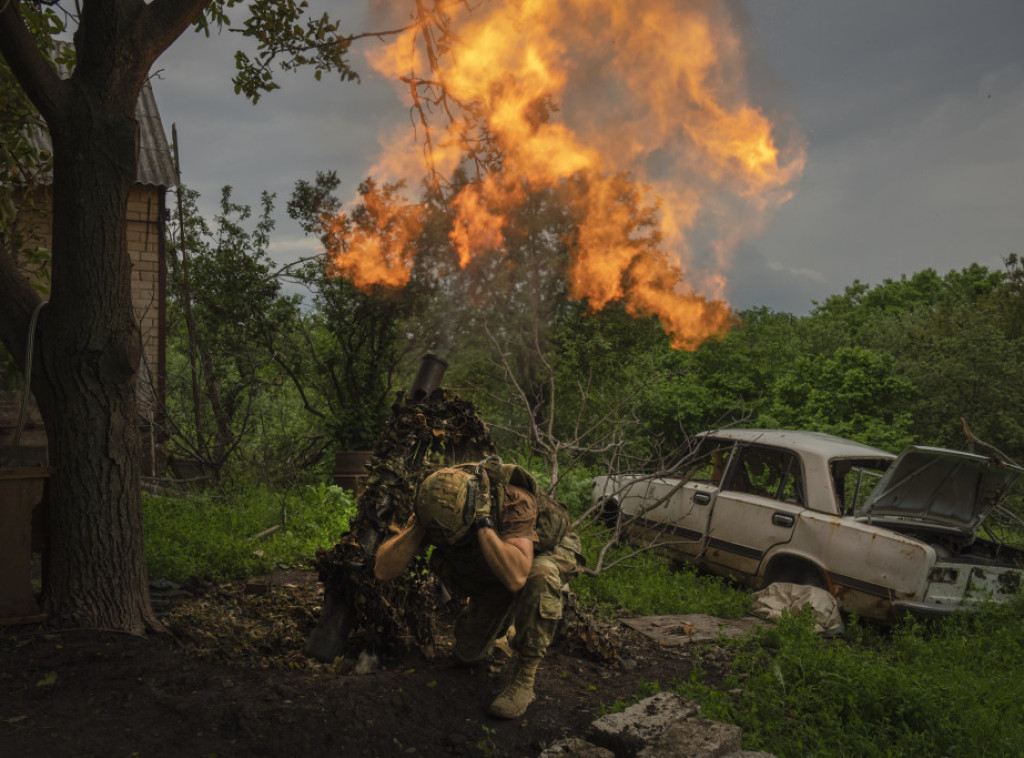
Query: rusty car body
point(885, 534)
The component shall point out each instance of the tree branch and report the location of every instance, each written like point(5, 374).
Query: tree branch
point(380, 35)
point(31, 68)
point(972, 441)
point(162, 22)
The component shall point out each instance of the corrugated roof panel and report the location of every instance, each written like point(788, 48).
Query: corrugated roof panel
point(156, 162)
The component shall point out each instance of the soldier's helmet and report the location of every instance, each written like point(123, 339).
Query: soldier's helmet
point(445, 504)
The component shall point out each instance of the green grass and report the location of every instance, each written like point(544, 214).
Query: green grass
point(948, 688)
point(645, 584)
point(208, 534)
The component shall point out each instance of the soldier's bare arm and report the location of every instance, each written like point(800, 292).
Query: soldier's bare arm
point(510, 559)
point(394, 556)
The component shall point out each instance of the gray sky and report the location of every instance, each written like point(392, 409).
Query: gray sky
point(913, 113)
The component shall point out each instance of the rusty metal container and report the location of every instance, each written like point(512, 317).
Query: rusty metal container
point(22, 490)
point(350, 470)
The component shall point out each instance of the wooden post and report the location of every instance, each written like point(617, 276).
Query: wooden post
point(21, 490)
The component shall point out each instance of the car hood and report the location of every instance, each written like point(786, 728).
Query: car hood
point(948, 488)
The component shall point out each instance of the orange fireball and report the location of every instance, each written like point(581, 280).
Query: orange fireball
point(644, 100)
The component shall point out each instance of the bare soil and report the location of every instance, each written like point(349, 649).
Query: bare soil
point(231, 680)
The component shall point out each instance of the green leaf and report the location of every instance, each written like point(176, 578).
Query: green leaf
point(50, 677)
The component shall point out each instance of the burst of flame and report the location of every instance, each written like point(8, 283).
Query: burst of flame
point(653, 89)
point(375, 249)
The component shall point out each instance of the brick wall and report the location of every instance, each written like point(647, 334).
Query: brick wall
point(143, 234)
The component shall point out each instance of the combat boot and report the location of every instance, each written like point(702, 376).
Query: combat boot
point(513, 701)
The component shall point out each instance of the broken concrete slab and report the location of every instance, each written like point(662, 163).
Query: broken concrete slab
point(695, 627)
point(661, 726)
point(695, 738)
point(630, 731)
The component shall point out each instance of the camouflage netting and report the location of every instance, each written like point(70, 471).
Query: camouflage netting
point(420, 436)
point(402, 614)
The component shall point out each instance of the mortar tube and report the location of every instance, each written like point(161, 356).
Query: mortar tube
point(428, 378)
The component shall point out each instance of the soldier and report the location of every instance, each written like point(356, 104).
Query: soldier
point(505, 546)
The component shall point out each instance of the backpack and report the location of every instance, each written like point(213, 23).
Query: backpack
point(553, 520)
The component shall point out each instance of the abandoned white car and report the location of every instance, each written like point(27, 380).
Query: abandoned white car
point(886, 535)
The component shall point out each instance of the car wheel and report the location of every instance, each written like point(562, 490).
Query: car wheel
point(795, 572)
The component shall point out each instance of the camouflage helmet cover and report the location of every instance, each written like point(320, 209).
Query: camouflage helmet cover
point(445, 504)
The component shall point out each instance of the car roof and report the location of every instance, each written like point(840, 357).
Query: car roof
point(814, 443)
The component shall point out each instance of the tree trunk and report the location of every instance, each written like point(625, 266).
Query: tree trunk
point(89, 354)
point(89, 343)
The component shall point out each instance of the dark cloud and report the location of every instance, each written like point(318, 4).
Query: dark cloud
point(914, 114)
point(755, 281)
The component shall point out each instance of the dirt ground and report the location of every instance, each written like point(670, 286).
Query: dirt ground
point(231, 680)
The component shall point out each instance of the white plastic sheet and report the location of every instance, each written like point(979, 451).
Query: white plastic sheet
point(770, 602)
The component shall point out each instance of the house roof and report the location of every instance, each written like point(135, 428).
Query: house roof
point(156, 161)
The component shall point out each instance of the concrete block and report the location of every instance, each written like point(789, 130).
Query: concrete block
point(694, 738)
point(630, 731)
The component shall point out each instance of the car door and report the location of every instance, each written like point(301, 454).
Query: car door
point(689, 508)
point(758, 505)
point(675, 511)
point(681, 515)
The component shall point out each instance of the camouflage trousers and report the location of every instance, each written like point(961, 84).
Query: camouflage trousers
point(535, 610)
